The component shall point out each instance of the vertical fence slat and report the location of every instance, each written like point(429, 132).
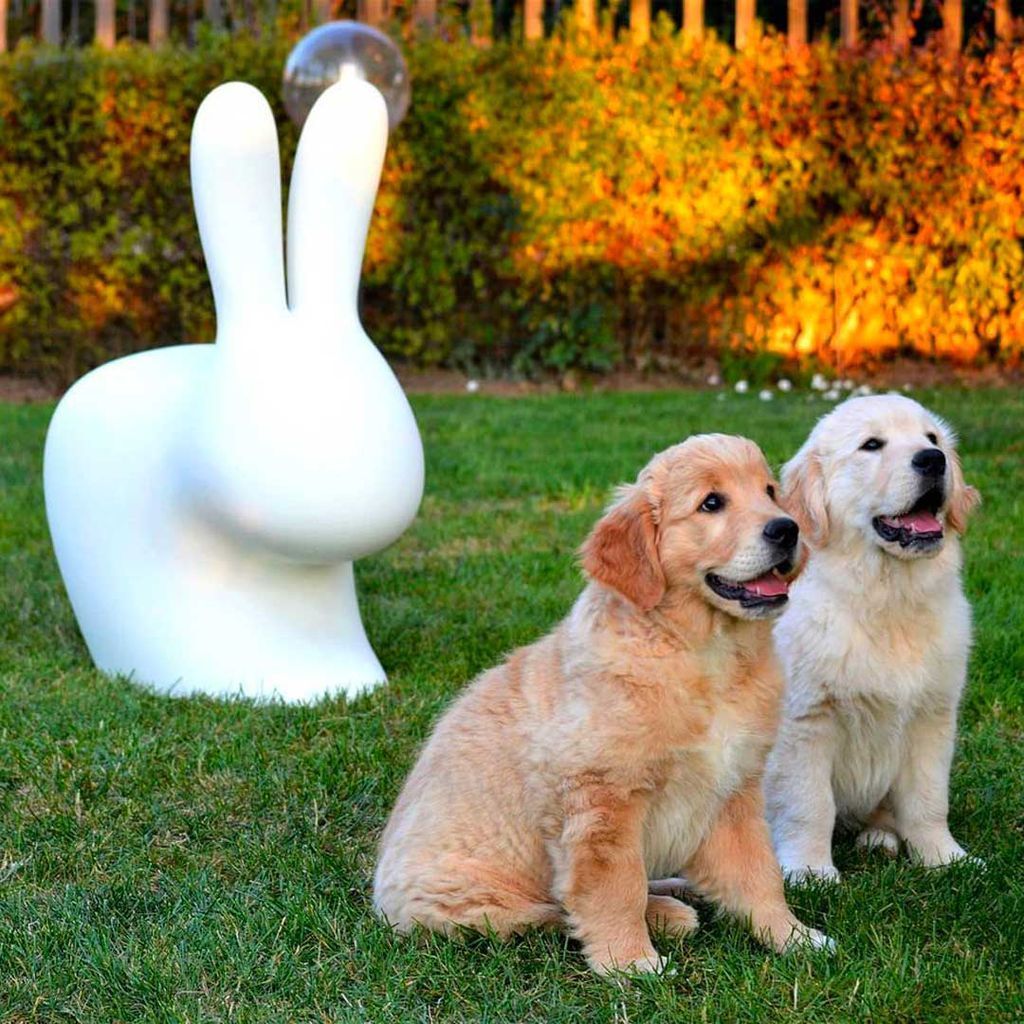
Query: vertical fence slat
point(533, 20)
point(372, 12)
point(49, 22)
point(159, 22)
point(849, 18)
point(796, 24)
point(953, 25)
point(745, 11)
point(586, 15)
point(901, 26)
point(213, 13)
point(640, 21)
point(424, 15)
point(1004, 21)
point(693, 18)
point(106, 23)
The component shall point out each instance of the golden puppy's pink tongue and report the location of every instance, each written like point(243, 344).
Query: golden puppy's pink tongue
point(767, 585)
point(919, 522)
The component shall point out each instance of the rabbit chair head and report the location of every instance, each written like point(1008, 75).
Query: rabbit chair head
point(206, 502)
point(304, 442)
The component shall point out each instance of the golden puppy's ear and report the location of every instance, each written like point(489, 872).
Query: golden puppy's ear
point(963, 499)
point(803, 494)
point(622, 550)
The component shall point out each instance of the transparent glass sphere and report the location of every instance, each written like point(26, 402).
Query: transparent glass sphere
point(340, 49)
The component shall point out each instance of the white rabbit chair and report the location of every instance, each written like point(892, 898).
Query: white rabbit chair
point(206, 502)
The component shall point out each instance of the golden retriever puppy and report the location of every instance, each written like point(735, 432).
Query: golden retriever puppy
point(626, 745)
point(874, 643)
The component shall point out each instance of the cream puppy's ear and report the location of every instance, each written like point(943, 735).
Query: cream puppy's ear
point(803, 494)
point(622, 550)
point(963, 499)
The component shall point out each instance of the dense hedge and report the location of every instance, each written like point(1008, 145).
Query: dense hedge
point(570, 204)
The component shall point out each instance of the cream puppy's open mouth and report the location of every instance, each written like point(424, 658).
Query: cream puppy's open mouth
point(918, 527)
point(769, 590)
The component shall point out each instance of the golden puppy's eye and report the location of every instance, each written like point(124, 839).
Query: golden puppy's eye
point(770, 491)
point(714, 502)
point(932, 436)
point(872, 444)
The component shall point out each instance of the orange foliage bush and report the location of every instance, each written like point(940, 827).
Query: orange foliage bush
point(928, 253)
point(574, 203)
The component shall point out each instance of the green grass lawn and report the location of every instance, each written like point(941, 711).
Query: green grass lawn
point(201, 860)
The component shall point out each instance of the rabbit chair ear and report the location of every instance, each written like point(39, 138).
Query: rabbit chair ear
point(334, 185)
point(236, 189)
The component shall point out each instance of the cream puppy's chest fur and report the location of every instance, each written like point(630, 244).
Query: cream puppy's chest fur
point(872, 666)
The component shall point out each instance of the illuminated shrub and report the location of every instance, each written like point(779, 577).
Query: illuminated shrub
point(561, 205)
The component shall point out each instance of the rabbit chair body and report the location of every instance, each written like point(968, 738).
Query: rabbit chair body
point(206, 502)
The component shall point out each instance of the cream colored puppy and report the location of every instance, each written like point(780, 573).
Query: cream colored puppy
point(626, 745)
point(874, 643)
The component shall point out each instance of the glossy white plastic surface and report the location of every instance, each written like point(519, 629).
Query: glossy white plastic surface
point(206, 502)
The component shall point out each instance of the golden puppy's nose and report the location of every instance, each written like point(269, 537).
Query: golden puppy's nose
point(782, 532)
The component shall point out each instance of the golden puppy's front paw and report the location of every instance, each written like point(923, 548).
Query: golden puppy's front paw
point(627, 962)
point(677, 886)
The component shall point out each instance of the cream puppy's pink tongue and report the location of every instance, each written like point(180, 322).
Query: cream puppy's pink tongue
point(918, 522)
point(767, 585)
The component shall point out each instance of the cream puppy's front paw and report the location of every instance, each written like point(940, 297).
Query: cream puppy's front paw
point(937, 850)
point(784, 933)
point(797, 874)
point(879, 839)
point(810, 938)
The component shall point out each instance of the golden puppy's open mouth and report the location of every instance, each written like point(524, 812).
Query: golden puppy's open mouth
point(765, 591)
point(919, 526)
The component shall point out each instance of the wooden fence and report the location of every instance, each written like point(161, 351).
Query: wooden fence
point(61, 21)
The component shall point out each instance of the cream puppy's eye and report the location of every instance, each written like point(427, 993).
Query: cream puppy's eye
point(872, 444)
point(770, 491)
point(932, 436)
point(713, 503)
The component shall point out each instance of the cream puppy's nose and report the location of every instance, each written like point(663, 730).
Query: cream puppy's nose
point(930, 462)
